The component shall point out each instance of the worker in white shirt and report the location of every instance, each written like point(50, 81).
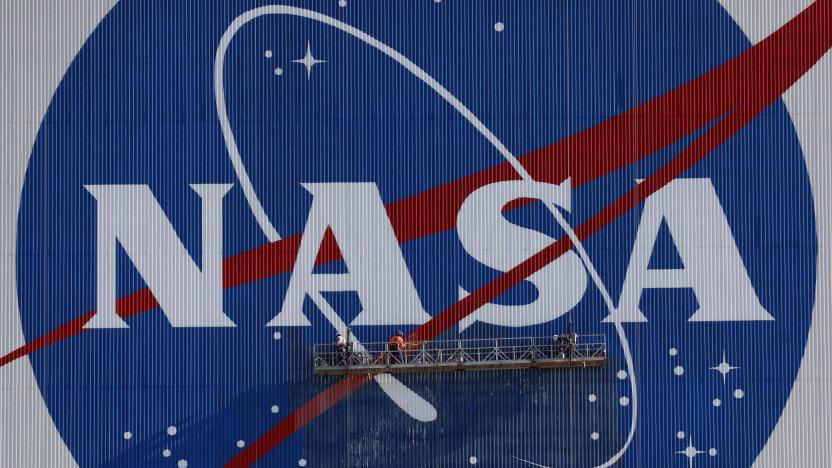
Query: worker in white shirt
point(342, 346)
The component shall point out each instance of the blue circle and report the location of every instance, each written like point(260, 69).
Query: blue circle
point(137, 107)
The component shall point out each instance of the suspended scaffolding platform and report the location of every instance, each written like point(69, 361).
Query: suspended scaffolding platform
point(461, 355)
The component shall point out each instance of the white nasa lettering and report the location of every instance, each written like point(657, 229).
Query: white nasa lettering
point(713, 267)
point(493, 241)
point(131, 216)
point(190, 297)
point(376, 269)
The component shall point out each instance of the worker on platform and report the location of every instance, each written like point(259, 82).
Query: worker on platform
point(572, 338)
point(342, 346)
point(561, 345)
point(396, 344)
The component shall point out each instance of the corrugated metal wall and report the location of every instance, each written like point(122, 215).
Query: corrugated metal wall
point(196, 193)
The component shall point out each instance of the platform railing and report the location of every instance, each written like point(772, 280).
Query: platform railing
point(479, 353)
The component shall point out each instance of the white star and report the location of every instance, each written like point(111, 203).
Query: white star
point(308, 60)
point(724, 368)
point(691, 452)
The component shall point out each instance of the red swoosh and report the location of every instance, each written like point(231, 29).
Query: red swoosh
point(585, 156)
point(782, 58)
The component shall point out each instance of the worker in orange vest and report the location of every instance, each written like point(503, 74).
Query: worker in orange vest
point(396, 344)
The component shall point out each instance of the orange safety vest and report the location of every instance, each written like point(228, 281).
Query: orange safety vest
point(396, 341)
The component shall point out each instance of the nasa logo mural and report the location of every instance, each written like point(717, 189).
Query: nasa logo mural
point(218, 186)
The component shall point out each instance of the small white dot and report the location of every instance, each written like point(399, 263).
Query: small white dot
point(595, 436)
point(268, 53)
point(717, 402)
point(622, 374)
point(678, 370)
point(171, 430)
point(277, 335)
point(166, 453)
point(302, 462)
point(241, 443)
point(738, 393)
point(623, 401)
point(680, 435)
point(182, 463)
point(128, 435)
point(275, 409)
point(472, 460)
point(712, 452)
point(592, 398)
point(277, 71)
point(499, 26)
point(437, 1)
point(673, 351)
point(342, 3)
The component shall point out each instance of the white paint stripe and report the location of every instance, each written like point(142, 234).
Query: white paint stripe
point(271, 233)
point(411, 402)
point(228, 134)
point(529, 462)
point(408, 400)
point(625, 345)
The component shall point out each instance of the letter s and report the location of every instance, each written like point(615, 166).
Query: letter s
point(492, 240)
